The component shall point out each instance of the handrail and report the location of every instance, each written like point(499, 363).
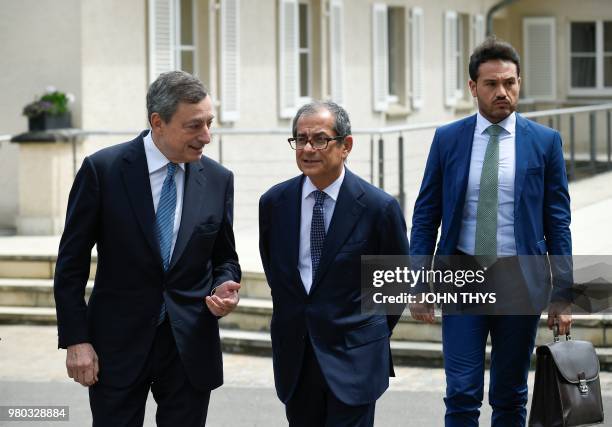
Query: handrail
point(356, 131)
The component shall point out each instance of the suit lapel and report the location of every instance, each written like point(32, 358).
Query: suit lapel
point(290, 207)
point(347, 212)
point(521, 147)
point(135, 175)
point(463, 152)
point(193, 196)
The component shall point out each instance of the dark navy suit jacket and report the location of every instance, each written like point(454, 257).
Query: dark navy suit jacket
point(541, 203)
point(352, 348)
point(111, 206)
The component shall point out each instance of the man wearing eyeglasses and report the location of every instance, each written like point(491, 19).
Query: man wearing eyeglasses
point(331, 361)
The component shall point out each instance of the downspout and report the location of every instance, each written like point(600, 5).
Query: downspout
point(492, 12)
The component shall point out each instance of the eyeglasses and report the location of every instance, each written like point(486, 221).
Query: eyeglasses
point(317, 142)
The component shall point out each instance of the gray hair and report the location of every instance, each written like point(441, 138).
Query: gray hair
point(169, 89)
point(342, 123)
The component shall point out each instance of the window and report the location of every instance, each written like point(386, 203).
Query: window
point(389, 56)
point(462, 33)
point(173, 45)
point(185, 49)
point(395, 53)
point(172, 35)
point(299, 54)
point(591, 57)
point(305, 51)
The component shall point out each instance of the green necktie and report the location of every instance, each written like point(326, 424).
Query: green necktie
point(486, 214)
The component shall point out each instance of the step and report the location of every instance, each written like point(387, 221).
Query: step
point(413, 353)
point(258, 343)
point(253, 315)
point(36, 292)
point(42, 267)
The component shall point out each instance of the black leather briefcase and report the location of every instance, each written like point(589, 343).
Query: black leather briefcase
point(566, 390)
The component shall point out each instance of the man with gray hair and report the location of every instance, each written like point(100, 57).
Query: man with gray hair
point(332, 360)
point(160, 214)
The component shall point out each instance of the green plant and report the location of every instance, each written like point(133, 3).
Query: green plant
point(53, 102)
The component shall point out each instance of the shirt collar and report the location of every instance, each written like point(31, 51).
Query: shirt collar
point(509, 123)
point(155, 158)
point(332, 190)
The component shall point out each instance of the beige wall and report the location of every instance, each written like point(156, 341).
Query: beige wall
point(40, 47)
point(114, 64)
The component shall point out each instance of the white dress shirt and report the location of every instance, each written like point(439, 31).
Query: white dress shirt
point(308, 201)
point(158, 169)
point(506, 244)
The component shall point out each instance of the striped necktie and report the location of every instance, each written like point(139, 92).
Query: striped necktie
point(164, 222)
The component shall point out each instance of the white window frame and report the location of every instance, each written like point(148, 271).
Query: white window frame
point(180, 48)
point(307, 50)
point(599, 89)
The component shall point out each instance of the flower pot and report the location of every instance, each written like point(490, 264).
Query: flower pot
point(46, 121)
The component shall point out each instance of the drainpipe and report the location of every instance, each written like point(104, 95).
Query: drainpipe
point(502, 4)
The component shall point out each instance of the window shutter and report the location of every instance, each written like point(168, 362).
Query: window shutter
point(478, 30)
point(380, 60)
point(336, 48)
point(417, 62)
point(161, 37)
point(288, 72)
point(539, 58)
point(450, 58)
point(230, 60)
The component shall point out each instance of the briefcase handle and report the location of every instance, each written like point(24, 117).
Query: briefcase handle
point(568, 337)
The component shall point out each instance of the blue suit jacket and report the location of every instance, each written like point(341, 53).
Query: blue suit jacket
point(352, 348)
point(541, 202)
point(111, 206)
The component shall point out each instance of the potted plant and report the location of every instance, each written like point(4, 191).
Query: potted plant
point(50, 111)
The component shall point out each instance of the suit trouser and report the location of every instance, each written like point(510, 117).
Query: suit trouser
point(178, 402)
point(313, 404)
point(464, 341)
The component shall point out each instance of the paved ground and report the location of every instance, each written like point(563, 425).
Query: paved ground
point(32, 373)
point(32, 370)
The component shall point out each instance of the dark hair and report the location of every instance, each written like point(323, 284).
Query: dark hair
point(492, 49)
point(169, 89)
point(342, 124)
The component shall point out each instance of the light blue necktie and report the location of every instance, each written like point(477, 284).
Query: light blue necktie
point(486, 213)
point(165, 223)
point(317, 231)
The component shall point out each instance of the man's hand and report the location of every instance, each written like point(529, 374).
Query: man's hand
point(561, 314)
point(82, 364)
point(422, 311)
point(224, 299)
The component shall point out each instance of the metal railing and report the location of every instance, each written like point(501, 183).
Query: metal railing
point(389, 159)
